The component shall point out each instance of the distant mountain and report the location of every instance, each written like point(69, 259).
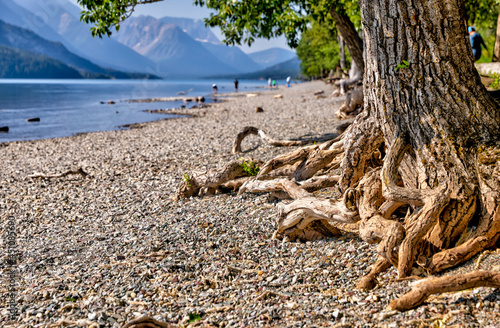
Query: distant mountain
point(272, 56)
point(176, 52)
point(233, 56)
point(12, 13)
point(63, 17)
point(195, 28)
point(280, 71)
point(29, 65)
point(26, 40)
point(23, 39)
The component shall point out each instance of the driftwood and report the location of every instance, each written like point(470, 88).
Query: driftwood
point(79, 171)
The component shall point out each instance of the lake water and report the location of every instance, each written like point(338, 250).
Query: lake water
point(68, 107)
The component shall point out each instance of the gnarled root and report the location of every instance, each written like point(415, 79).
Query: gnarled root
point(287, 186)
point(305, 215)
point(248, 130)
point(424, 288)
point(487, 232)
point(207, 181)
point(387, 233)
point(311, 160)
point(362, 139)
point(309, 230)
point(369, 281)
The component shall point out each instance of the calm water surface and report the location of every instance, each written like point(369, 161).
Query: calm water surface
point(68, 107)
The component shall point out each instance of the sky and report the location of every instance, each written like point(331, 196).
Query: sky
point(185, 8)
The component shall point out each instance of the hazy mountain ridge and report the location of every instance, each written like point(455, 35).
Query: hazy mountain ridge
point(172, 43)
point(26, 40)
point(170, 47)
point(64, 18)
point(272, 56)
point(23, 39)
point(16, 63)
point(195, 28)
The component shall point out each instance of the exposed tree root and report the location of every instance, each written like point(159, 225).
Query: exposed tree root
point(309, 230)
point(283, 184)
point(207, 181)
point(426, 287)
point(411, 221)
point(79, 171)
point(311, 159)
point(248, 130)
point(369, 281)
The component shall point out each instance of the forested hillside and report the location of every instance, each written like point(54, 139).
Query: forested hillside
point(24, 64)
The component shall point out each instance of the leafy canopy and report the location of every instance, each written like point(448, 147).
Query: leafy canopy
point(241, 21)
point(318, 50)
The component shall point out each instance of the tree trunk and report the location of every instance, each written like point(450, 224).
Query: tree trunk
point(420, 165)
point(350, 36)
point(340, 40)
point(496, 50)
point(424, 101)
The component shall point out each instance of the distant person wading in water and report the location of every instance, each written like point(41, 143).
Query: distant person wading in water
point(236, 85)
point(214, 89)
point(476, 41)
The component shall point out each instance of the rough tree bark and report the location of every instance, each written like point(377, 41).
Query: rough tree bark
point(349, 34)
point(437, 121)
point(343, 64)
point(496, 49)
point(420, 165)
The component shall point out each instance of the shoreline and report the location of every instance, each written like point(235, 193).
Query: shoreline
point(106, 248)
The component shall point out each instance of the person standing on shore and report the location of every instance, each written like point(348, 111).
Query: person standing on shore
point(270, 83)
point(236, 85)
point(476, 41)
point(288, 82)
point(214, 89)
point(274, 84)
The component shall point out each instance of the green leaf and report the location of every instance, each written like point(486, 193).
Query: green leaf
point(193, 317)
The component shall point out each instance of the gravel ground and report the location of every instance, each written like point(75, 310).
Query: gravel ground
point(102, 250)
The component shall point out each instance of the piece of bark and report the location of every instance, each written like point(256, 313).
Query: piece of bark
point(147, 322)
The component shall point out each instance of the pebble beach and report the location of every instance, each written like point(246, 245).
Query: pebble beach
point(104, 249)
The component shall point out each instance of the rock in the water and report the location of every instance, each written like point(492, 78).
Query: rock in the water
point(33, 119)
point(4, 129)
